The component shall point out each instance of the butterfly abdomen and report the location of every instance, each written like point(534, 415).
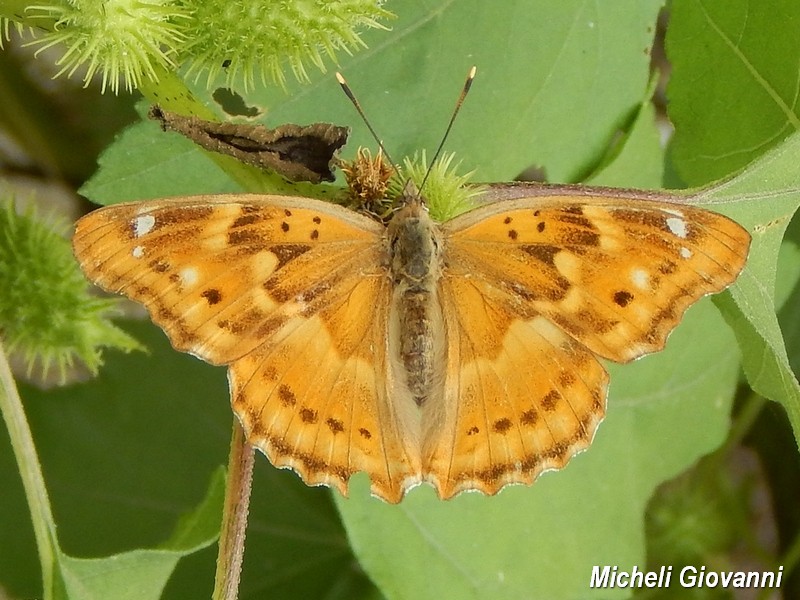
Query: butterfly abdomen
point(414, 242)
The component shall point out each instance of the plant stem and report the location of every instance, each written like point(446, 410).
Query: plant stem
point(234, 518)
point(30, 472)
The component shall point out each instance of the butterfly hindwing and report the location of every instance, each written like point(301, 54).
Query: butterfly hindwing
point(520, 396)
point(318, 397)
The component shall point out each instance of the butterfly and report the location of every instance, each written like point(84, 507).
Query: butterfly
point(464, 354)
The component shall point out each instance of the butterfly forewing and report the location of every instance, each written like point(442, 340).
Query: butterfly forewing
point(615, 274)
point(204, 267)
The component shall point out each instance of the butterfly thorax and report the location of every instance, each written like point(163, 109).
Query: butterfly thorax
point(415, 268)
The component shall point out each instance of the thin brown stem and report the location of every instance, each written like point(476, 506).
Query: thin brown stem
point(234, 518)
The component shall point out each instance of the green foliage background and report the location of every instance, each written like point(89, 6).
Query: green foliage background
point(563, 86)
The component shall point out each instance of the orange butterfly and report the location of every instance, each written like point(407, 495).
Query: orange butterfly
point(464, 354)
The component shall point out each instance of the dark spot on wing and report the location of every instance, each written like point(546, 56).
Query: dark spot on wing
point(238, 237)
point(502, 425)
point(308, 415)
point(286, 395)
point(568, 324)
point(212, 296)
point(577, 237)
point(598, 324)
point(622, 298)
point(245, 220)
point(180, 216)
point(578, 220)
point(310, 462)
point(270, 326)
point(541, 252)
point(158, 265)
point(566, 378)
point(529, 417)
point(278, 294)
point(667, 267)
point(550, 400)
point(335, 425)
point(288, 252)
point(234, 327)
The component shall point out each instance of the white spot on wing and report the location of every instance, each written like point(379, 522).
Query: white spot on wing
point(672, 211)
point(678, 227)
point(686, 253)
point(189, 276)
point(640, 279)
point(138, 252)
point(143, 224)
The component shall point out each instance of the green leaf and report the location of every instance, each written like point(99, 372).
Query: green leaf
point(140, 574)
point(143, 574)
point(764, 197)
point(733, 89)
point(787, 292)
point(639, 161)
point(555, 82)
point(144, 162)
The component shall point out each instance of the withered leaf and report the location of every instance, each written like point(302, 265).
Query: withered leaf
point(298, 152)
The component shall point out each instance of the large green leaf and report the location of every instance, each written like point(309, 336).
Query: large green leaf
point(733, 89)
point(140, 574)
point(143, 574)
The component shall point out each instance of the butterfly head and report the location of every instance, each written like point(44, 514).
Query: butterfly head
point(414, 238)
point(411, 196)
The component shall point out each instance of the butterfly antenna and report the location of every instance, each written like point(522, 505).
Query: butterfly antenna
point(349, 93)
point(461, 98)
